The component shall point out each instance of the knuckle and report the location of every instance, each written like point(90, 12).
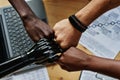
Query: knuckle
point(64, 45)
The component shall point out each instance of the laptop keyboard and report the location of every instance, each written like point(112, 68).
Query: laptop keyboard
point(19, 40)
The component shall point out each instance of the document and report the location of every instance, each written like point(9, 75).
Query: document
point(36, 74)
point(88, 75)
point(103, 35)
point(102, 38)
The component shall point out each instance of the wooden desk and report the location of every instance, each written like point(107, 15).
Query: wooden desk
point(57, 10)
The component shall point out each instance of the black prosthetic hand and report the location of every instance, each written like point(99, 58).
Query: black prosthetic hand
point(44, 51)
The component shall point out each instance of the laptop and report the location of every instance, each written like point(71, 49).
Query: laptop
point(14, 39)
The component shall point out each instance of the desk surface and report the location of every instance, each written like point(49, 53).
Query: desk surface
point(54, 11)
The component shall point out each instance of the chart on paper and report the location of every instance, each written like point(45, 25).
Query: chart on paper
point(102, 38)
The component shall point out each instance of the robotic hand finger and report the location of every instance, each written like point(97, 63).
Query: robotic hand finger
point(44, 51)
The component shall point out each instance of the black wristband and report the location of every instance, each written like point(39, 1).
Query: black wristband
point(77, 23)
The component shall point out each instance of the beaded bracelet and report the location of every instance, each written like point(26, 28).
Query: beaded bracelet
point(77, 23)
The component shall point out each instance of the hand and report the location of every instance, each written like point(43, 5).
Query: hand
point(74, 60)
point(37, 29)
point(65, 34)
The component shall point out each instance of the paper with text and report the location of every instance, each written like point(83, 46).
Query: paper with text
point(37, 74)
point(103, 39)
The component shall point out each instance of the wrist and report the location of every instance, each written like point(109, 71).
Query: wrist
point(77, 24)
point(87, 63)
point(25, 16)
point(79, 15)
point(29, 19)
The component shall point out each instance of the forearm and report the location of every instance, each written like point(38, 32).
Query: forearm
point(94, 9)
point(105, 66)
point(23, 9)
